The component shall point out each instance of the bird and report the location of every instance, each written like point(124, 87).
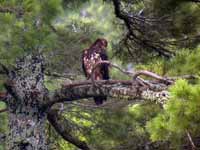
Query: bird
point(90, 57)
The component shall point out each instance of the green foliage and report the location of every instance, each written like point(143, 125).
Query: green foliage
point(27, 34)
point(156, 65)
point(96, 17)
point(185, 15)
point(78, 25)
point(4, 124)
point(50, 9)
point(180, 114)
point(185, 62)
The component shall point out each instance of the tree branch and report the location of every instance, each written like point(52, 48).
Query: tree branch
point(17, 11)
point(3, 96)
point(196, 1)
point(190, 140)
point(62, 127)
point(3, 110)
point(131, 22)
point(113, 88)
point(134, 75)
point(4, 69)
point(58, 75)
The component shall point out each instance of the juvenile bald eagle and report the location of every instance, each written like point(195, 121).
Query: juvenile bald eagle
point(92, 55)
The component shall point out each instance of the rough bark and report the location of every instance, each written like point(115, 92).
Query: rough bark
point(113, 88)
point(26, 118)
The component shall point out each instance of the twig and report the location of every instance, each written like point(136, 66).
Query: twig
point(191, 141)
point(3, 110)
point(152, 75)
point(3, 96)
point(5, 70)
point(187, 77)
point(58, 75)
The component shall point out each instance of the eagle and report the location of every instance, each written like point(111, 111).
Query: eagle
point(94, 54)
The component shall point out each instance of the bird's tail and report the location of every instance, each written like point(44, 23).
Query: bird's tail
point(99, 100)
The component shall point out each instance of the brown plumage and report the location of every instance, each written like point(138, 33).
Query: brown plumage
point(92, 55)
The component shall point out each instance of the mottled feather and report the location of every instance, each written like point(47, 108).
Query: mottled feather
point(91, 56)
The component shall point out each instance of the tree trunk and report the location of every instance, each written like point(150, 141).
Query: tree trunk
point(27, 130)
point(26, 116)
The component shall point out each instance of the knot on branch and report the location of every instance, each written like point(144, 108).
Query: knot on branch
point(159, 97)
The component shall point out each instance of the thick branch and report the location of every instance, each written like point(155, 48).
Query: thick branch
point(62, 127)
point(113, 88)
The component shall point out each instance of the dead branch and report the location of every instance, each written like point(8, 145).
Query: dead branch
point(190, 140)
point(4, 69)
point(152, 75)
point(132, 74)
point(187, 77)
point(62, 127)
point(3, 110)
point(58, 75)
point(110, 64)
point(17, 11)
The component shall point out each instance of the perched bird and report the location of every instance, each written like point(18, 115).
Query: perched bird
point(94, 54)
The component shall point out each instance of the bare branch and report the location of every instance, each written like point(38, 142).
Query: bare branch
point(62, 127)
point(17, 11)
point(58, 75)
point(191, 141)
point(187, 77)
point(131, 74)
point(110, 64)
point(3, 110)
point(152, 75)
point(4, 69)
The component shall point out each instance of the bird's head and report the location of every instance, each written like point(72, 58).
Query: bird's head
point(101, 43)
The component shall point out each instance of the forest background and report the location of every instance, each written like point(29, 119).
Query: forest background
point(155, 35)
